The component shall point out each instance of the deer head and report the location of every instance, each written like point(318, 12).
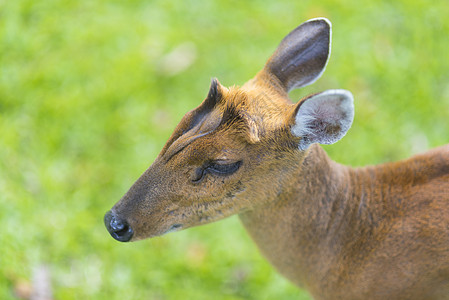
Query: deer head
point(240, 148)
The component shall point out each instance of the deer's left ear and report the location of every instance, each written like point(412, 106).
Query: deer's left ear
point(323, 118)
point(302, 55)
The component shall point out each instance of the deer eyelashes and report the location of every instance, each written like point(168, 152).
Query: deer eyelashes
point(217, 168)
point(223, 169)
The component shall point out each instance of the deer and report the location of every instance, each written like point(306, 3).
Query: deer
point(375, 232)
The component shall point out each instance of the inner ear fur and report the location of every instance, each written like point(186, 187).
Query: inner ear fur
point(323, 118)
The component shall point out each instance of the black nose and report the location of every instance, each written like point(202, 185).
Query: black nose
point(119, 229)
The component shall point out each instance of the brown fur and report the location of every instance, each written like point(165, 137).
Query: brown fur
point(370, 233)
point(379, 232)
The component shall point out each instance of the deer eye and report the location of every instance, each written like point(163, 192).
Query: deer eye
point(219, 168)
point(223, 168)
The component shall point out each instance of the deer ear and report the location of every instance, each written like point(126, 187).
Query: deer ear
point(302, 55)
point(323, 118)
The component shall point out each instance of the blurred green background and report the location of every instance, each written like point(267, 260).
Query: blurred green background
point(91, 90)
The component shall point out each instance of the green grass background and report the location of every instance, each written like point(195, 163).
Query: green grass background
point(89, 94)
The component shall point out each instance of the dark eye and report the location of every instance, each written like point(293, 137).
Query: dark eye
point(216, 168)
point(223, 169)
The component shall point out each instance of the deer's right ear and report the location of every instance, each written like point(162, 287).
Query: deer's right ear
point(323, 118)
point(302, 55)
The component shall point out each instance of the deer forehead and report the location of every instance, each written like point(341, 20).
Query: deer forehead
point(228, 115)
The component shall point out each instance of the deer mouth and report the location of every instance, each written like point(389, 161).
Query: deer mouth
point(173, 228)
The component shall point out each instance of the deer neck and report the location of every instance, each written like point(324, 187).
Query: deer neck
point(309, 226)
